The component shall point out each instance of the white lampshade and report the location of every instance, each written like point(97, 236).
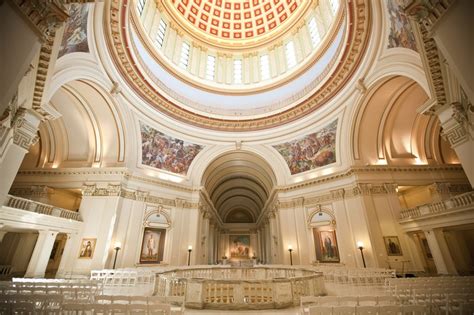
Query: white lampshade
point(190, 247)
point(290, 247)
point(360, 244)
point(117, 245)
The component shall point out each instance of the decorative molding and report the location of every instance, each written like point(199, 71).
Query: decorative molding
point(24, 133)
point(424, 15)
point(359, 14)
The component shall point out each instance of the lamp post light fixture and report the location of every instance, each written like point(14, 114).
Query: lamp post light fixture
point(190, 249)
point(290, 249)
point(360, 246)
point(117, 247)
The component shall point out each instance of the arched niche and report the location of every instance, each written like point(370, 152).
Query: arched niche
point(155, 231)
point(389, 130)
point(322, 227)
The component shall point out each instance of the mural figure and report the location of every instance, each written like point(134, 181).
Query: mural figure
point(312, 151)
point(239, 246)
point(326, 246)
point(75, 31)
point(87, 248)
point(165, 152)
point(152, 246)
point(392, 244)
point(401, 33)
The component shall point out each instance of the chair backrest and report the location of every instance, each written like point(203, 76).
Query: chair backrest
point(348, 300)
point(367, 310)
point(389, 309)
point(343, 310)
point(386, 299)
point(329, 300)
point(320, 310)
point(367, 300)
point(162, 309)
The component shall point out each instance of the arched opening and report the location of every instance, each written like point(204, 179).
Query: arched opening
point(239, 184)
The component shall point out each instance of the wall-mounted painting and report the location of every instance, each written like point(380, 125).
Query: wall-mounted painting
point(239, 246)
point(401, 32)
point(87, 248)
point(75, 30)
point(152, 246)
point(165, 152)
point(311, 151)
point(326, 246)
point(392, 244)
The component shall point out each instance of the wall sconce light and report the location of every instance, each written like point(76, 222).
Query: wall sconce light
point(360, 246)
point(117, 247)
point(190, 249)
point(290, 249)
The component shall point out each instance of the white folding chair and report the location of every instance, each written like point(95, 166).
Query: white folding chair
point(367, 310)
point(366, 300)
point(343, 310)
point(414, 309)
point(320, 310)
point(389, 309)
point(161, 309)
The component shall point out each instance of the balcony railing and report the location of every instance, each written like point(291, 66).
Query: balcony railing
point(459, 202)
point(38, 207)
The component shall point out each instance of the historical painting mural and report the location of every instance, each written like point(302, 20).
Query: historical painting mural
point(87, 248)
point(401, 33)
point(311, 151)
point(392, 244)
point(152, 246)
point(165, 152)
point(75, 31)
point(239, 246)
point(326, 246)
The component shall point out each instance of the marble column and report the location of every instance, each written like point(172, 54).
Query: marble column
point(440, 251)
point(457, 123)
point(15, 143)
point(68, 253)
point(40, 257)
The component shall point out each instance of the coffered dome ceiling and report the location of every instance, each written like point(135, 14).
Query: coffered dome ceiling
point(234, 23)
point(224, 31)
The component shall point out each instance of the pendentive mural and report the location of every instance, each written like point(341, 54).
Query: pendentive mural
point(165, 152)
point(401, 33)
point(75, 31)
point(311, 151)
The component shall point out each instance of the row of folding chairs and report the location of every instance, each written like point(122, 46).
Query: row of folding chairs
point(379, 300)
point(72, 308)
point(40, 303)
point(369, 310)
point(176, 302)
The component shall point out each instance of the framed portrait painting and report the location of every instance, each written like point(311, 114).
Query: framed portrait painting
point(392, 244)
point(326, 246)
point(239, 246)
point(87, 248)
point(152, 246)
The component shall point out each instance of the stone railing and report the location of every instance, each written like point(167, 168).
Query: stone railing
point(261, 287)
point(459, 202)
point(38, 207)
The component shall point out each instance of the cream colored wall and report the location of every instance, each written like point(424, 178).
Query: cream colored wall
point(16, 249)
point(415, 196)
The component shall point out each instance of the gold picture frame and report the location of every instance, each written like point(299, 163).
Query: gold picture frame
point(392, 245)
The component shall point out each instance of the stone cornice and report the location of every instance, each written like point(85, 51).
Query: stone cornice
point(337, 194)
point(358, 170)
point(118, 190)
point(424, 16)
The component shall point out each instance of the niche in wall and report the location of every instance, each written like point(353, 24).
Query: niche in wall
point(155, 227)
point(324, 234)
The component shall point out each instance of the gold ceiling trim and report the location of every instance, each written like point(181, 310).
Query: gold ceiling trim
point(359, 21)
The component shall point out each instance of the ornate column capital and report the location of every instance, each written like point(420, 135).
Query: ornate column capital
point(336, 194)
point(109, 191)
point(25, 127)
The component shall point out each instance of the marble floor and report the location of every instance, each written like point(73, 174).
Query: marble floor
point(333, 289)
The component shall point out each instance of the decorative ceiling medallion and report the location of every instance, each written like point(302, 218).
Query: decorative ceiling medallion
point(358, 13)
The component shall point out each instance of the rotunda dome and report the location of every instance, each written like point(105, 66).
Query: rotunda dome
point(238, 65)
